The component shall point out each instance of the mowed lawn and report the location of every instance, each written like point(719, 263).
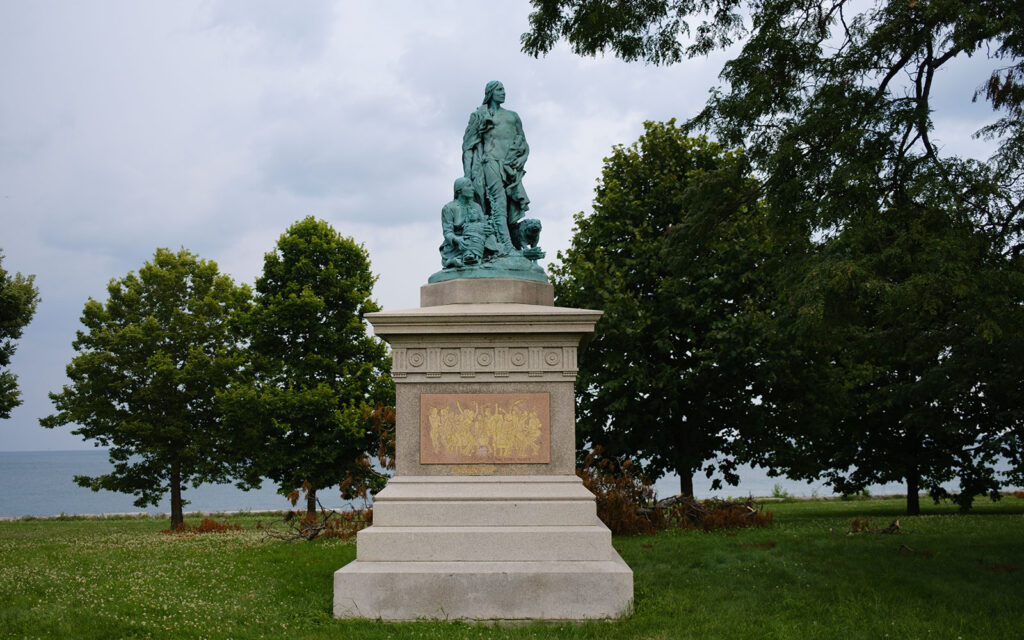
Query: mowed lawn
point(945, 576)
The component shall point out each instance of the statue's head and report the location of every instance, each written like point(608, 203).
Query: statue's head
point(463, 183)
point(494, 91)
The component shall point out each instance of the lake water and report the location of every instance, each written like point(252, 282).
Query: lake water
point(755, 482)
point(41, 483)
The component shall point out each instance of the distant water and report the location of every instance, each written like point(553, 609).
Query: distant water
point(41, 483)
point(755, 482)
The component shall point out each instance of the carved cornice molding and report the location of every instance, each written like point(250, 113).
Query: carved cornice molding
point(489, 319)
point(492, 361)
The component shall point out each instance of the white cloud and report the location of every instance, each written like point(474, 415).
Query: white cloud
point(214, 125)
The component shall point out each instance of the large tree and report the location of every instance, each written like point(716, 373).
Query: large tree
point(18, 299)
point(149, 363)
point(675, 253)
point(833, 101)
point(315, 374)
point(918, 322)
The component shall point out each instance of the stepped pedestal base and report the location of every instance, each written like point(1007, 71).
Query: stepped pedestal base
point(484, 518)
point(484, 548)
point(493, 591)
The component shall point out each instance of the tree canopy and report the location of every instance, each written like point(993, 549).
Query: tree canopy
point(18, 299)
point(906, 302)
point(149, 363)
point(916, 321)
point(674, 253)
point(832, 99)
point(303, 416)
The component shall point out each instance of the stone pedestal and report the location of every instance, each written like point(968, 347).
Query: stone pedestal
point(485, 518)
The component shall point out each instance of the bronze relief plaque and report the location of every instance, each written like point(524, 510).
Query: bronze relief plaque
point(485, 428)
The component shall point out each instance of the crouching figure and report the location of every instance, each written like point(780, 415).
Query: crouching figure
point(465, 228)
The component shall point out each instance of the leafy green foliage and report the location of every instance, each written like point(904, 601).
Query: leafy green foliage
point(150, 361)
point(904, 315)
point(18, 299)
point(832, 99)
point(645, 30)
point(669, 376)
point(920, 317)
point(305, 412)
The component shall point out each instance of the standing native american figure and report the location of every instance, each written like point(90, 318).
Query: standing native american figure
point(494, 153)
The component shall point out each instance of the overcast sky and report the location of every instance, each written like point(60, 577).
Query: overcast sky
point(214, 125)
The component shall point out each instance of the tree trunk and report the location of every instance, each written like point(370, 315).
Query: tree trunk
point(913, 492)
point(311, 503)
point(685, 483)
point(177, 517)
point(685, 466)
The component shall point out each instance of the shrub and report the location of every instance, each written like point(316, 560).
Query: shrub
point(347, 524)
point(623, 499)
point(208, 525)
point(780, 493)
point(625, 503)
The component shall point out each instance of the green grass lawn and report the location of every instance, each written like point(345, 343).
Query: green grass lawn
point(945, 576)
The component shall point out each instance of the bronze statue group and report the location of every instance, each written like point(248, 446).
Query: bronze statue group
point(485, 224)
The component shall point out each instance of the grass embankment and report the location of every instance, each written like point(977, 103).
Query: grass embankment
point(945, 576)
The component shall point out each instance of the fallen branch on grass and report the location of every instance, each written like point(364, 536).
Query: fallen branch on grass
point(327, 523)
point(686, 512)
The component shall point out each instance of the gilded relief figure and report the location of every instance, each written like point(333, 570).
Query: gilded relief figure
point(485, 432)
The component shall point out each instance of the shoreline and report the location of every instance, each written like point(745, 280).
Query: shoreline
point(138, 514)
point(143, 514)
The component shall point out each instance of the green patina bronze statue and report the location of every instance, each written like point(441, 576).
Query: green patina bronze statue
point(494, 153)
point(486, 233)
point(465, 229)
